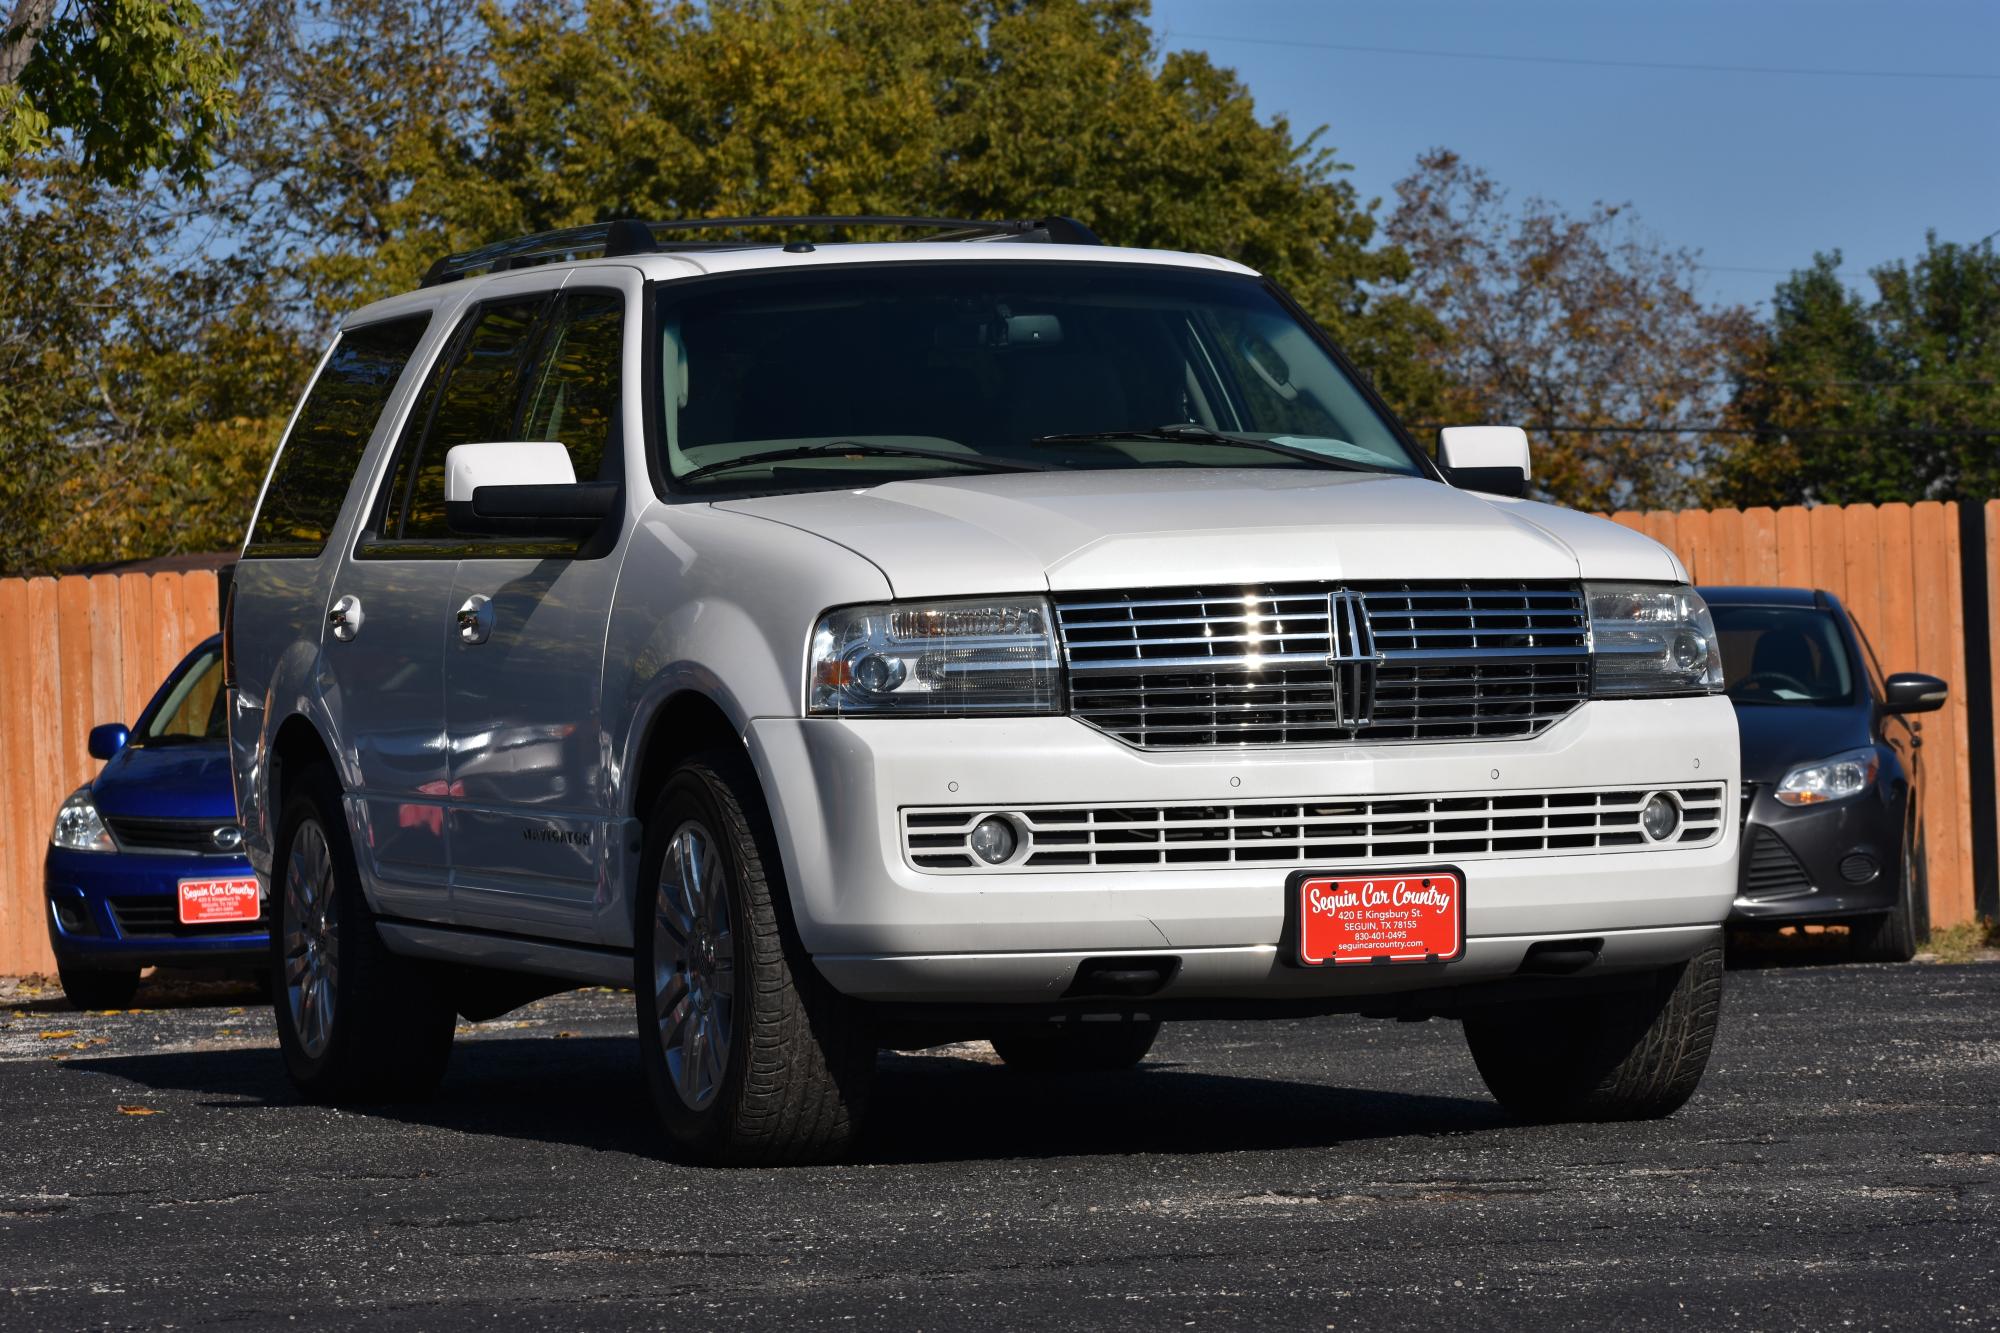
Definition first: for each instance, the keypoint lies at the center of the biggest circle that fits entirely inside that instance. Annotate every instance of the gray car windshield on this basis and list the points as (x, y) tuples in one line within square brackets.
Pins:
[(846, 377), (1782, 655)]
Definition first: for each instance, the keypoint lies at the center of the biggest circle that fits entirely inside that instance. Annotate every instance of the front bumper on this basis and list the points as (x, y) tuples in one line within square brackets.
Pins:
[(1811, 863), (121, 910), (878, 927)]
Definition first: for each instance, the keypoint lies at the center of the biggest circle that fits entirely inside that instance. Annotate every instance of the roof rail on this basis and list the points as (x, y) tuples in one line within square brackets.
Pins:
[(627, 236)]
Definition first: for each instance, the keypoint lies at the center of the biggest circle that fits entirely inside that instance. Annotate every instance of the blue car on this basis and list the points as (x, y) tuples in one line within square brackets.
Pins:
[(145, 867)]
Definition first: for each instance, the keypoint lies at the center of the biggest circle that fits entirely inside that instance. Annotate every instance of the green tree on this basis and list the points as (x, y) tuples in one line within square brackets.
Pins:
[(1845, 399), (126, 87), (1586, 331)]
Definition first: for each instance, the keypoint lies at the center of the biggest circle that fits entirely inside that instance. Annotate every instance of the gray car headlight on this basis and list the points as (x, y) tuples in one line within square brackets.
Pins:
[(1651, 638), (970, 656), (1832, 779), (79, 827)]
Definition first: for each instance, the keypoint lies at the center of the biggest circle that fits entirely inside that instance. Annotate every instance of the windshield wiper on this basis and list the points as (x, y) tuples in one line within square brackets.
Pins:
[(1188, 430), (834, 448)]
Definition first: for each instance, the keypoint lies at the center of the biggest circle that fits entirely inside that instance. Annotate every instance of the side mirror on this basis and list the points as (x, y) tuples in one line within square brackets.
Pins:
[(108, 740), (1914, 692), (522, 489), (1493, 459)]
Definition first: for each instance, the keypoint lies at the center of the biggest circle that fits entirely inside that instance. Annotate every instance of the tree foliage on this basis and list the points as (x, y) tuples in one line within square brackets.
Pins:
[(122, 88), (1849, 399), (1585, 330)]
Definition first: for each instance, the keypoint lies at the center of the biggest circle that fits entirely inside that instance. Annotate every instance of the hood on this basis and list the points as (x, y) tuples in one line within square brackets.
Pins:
[(1777, 738), (185, 781), (1164, 527)]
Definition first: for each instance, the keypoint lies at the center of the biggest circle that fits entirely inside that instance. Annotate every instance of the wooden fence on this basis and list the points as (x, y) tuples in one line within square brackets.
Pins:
[(78, 651), (73, 652)]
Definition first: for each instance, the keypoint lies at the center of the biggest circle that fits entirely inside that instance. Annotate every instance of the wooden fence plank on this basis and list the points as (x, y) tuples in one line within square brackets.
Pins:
[(47, 772), (141, 674), (18, 910), (1725, 534), (1794, 548), (1862, 556), (1760, 547), (1694, 542), (1895, 633), (1959, 707), (198, 611), (107, 644), (1935, 584), (1829, 571)]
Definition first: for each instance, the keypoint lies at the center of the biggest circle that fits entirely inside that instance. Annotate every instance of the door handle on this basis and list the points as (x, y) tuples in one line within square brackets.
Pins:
[(475, 619), (344, 616)]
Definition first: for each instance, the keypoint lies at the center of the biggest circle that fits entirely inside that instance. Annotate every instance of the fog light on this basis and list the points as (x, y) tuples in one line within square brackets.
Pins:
[(1661, 816), (993, 840)]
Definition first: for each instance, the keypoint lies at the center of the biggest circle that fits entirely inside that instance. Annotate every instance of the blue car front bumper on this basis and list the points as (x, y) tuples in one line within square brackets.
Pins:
[(122, 910)]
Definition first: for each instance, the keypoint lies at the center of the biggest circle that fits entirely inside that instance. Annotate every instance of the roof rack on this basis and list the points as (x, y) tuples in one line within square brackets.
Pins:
[(627, 236)]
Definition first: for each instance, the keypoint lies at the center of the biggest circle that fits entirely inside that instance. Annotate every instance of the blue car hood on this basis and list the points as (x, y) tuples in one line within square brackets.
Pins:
[(186, 781)]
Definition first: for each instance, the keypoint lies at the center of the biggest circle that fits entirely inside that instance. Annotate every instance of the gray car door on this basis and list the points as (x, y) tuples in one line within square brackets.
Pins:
[(392, 669), (531, 831)]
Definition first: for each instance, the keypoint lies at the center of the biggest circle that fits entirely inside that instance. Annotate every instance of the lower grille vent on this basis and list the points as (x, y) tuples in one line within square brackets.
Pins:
[(1320, 832), (1771, 871)]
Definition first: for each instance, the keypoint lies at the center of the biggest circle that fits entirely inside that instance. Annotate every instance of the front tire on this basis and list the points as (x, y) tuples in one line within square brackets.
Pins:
[(750, 1055), (1896, 935), (356, 1023), (95, 988), (1075, 1048), (1625, 1056)]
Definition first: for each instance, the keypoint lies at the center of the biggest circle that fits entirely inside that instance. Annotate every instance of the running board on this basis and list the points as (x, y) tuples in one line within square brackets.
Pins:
[(509, 953)]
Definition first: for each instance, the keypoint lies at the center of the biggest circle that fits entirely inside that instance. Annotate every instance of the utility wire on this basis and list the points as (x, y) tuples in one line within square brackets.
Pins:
[(1597, 64)]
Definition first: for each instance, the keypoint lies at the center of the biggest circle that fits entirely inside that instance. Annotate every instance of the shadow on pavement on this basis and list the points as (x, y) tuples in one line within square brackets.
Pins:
[(588, 1092)]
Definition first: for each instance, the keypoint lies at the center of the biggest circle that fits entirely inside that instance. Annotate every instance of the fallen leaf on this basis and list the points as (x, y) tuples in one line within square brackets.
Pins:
[(137, 1110), (59, 1035)]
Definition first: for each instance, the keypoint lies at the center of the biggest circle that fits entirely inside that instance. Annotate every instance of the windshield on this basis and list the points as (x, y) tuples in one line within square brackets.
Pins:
[(862, 375), (1783, 655), (192, 710)]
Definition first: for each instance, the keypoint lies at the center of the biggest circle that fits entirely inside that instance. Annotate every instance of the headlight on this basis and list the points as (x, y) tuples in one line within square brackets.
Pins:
[(1832, 779), (79, 827), (980, 655), (1651, 638)]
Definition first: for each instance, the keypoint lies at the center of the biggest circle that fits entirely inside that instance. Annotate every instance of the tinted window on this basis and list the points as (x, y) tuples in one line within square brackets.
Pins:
[(573, 393), (470, 399), (324, 448), (192, 710), (1783, 655), (986, 359)]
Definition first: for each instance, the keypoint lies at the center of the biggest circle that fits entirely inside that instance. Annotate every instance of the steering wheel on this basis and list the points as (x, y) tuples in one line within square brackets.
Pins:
[(1770, 682)]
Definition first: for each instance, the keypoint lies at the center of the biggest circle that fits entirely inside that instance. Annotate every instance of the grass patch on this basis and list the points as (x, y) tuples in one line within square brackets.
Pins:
[(1963, 942)]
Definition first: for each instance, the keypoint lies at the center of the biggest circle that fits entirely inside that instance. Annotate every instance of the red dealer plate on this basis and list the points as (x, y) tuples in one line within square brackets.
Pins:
[(208, 900), (1395, 916)]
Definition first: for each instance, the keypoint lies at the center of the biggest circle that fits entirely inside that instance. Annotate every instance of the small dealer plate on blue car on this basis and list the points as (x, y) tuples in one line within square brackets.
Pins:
[(1381, 916)]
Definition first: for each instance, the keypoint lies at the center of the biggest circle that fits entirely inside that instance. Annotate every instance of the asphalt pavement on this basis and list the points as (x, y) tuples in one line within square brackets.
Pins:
[(1840, 1168)]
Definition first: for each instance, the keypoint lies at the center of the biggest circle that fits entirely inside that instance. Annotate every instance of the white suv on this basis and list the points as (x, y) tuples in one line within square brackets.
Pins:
[(995, 634)]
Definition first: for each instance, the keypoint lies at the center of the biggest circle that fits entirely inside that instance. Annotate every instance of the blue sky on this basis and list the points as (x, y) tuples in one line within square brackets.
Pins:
[(1755, 170)]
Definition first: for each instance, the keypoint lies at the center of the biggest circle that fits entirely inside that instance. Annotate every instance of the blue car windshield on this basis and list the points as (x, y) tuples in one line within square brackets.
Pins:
[(192, 708), (1783, 655)]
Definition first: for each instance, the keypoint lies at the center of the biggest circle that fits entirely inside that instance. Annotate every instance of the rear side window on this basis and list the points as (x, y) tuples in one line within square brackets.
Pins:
[(324, 449)]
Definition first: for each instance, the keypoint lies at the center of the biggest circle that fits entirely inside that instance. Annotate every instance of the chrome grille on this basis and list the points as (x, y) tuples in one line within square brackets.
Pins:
[(1313, 663), (1335, 830)]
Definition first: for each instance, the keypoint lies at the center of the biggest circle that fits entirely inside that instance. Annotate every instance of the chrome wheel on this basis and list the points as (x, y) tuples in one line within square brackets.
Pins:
[(311, 947), (694, 965)]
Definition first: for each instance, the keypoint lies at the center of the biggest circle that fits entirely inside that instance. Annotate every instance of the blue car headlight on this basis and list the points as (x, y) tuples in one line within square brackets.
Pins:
[(79, 828)]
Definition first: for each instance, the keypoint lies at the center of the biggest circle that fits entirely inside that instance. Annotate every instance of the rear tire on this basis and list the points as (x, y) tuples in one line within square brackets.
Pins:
[(752, 1058), (1625, 1056), (1075, 1048), (94, 988), (356, 1023)]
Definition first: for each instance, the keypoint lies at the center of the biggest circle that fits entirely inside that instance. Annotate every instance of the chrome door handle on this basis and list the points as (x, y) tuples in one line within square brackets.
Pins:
[(475, 619), (345, 618)]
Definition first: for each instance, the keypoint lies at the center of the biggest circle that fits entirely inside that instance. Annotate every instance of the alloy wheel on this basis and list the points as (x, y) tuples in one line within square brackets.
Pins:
[(694, 965), (311, 945)]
